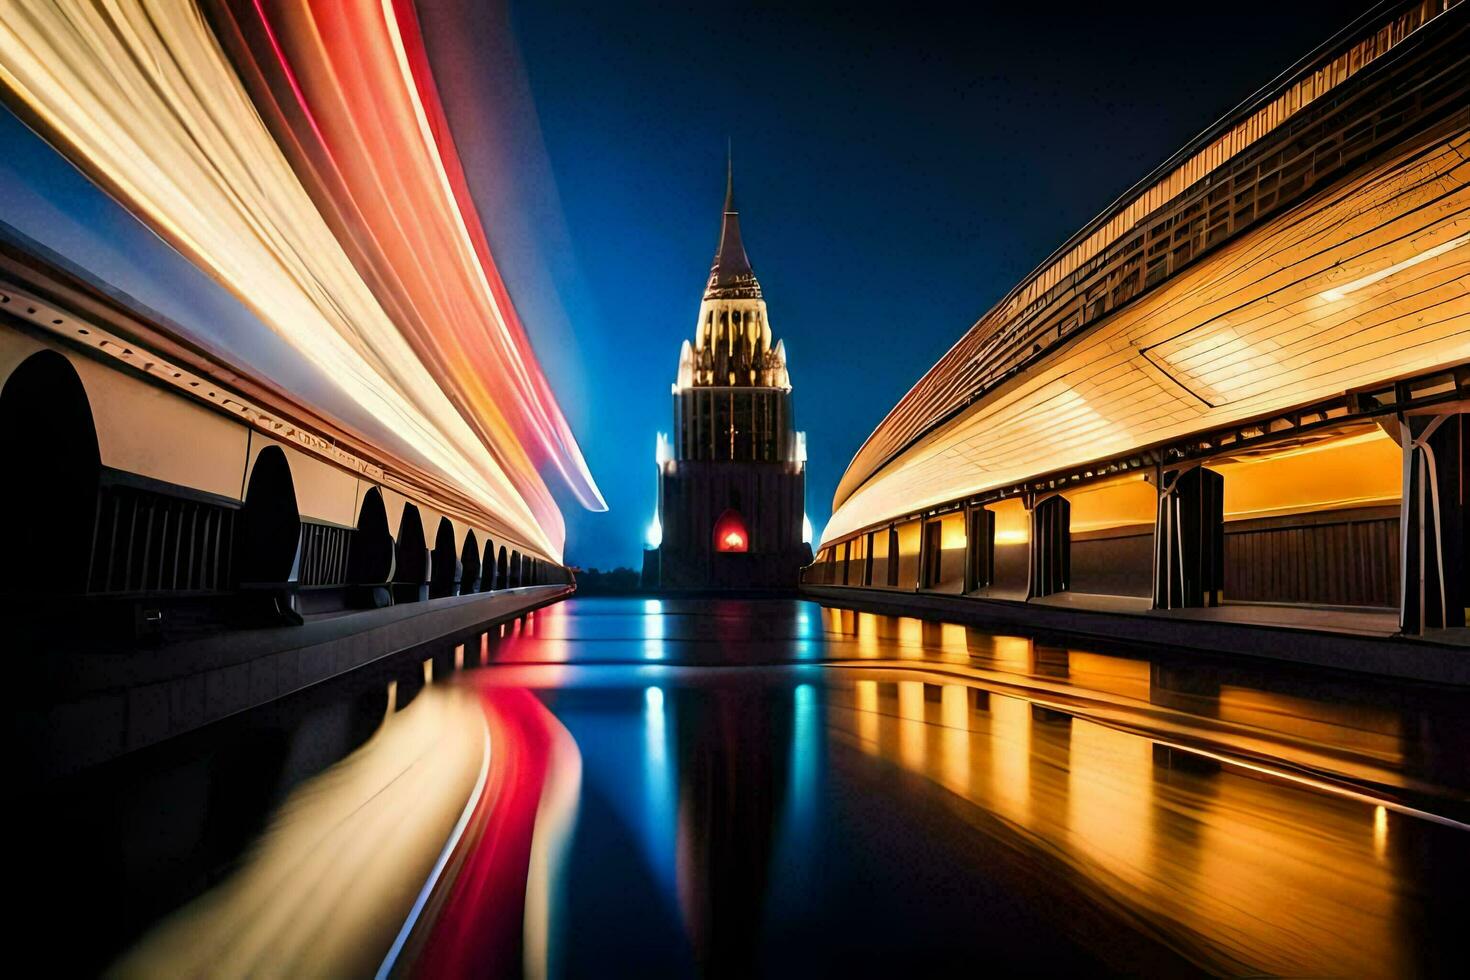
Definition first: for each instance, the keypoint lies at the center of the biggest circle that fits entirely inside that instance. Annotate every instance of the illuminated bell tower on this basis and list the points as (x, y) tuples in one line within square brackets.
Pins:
[(732, 480)]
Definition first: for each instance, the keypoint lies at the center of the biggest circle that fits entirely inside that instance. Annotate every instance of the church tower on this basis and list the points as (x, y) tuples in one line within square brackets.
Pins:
[(732, 480)]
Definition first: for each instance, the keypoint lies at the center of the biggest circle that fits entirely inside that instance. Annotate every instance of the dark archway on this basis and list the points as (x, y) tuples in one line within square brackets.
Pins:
[(469, 565), (270, 527), (487, 568), (502, 570), (444, 577), (370, 559), (48, 445), (411, 571), (515, 570), (267, 536)]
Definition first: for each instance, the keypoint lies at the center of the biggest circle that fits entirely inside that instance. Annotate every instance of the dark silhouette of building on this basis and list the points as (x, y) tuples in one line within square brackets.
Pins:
[(732, 480)]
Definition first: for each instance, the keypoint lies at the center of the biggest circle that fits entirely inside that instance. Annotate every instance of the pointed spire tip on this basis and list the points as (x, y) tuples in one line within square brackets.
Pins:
[(729, 175)]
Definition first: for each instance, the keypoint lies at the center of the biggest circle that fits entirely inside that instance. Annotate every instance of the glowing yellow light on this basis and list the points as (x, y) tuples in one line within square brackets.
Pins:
[(1338, 292), (1224, 361)]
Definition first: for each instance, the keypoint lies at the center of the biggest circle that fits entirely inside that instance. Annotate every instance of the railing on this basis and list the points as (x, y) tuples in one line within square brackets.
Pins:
[(322, 555), (145, 541)]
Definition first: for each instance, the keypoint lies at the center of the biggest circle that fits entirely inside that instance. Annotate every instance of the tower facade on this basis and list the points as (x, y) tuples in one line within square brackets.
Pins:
[(732, 478)]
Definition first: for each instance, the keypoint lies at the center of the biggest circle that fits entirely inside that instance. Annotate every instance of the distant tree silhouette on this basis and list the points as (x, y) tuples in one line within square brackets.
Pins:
[(617, 581)]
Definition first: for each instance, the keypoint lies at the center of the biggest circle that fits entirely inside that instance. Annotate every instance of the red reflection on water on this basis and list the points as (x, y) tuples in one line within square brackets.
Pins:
[(492, 915)]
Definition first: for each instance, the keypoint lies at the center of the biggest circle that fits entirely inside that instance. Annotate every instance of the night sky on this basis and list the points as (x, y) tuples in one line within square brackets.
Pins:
[(897, 170), (896, 174)]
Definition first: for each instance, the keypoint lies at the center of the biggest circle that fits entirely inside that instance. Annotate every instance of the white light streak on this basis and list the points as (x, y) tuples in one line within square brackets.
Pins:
[(1338, 292)]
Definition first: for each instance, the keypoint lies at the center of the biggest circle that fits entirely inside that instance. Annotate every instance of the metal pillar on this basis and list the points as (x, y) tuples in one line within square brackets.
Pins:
[(1051, 546), (1189, 539), (979, 548), (1432, 525)]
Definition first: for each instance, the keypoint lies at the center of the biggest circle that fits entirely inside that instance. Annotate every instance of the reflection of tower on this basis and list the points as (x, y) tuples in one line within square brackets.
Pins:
[(732, 480), (734, 758)]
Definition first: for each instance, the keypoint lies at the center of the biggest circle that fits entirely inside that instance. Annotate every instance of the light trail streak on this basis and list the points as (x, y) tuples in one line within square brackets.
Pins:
[(300, 156)]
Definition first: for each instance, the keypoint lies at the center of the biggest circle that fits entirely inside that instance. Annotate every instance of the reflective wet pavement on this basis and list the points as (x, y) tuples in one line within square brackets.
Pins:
[(732, 787)]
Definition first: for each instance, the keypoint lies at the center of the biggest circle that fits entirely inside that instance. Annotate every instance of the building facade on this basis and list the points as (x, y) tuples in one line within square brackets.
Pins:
[(732, 479), (1160, 418)]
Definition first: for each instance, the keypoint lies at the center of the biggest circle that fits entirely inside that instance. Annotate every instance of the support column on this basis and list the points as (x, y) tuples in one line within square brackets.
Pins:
[(979, 549), (1432, 526), (930, 546), (1051, 546), (1189, 539)]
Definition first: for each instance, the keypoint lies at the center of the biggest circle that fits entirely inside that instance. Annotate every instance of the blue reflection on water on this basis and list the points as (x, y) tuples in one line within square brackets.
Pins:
[(805, 731), (653, 629), (660, 792)]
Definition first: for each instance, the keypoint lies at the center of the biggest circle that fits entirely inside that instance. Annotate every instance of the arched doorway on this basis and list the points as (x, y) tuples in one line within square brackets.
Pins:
[(444, 579), (515, 570), (411, 571), (268, 534), (487, 568), (730, 535), (502, 570), (469, 565), (370, 559), (49, 447)]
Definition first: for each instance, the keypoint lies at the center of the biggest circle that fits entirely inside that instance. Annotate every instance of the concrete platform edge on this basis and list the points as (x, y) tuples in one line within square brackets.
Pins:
[(1400, 657)]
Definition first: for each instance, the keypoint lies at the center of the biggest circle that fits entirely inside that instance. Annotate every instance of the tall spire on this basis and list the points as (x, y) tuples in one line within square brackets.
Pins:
[(730, 275)]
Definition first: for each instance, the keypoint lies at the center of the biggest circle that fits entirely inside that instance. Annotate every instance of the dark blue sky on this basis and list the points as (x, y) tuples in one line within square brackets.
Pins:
[(897, 169)]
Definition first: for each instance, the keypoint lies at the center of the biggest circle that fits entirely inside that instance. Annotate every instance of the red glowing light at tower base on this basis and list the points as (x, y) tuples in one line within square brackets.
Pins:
[(730, 533)]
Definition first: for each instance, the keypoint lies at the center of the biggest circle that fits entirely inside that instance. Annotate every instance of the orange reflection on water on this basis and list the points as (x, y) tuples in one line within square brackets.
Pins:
[(1364, 730), (912, 731), (1239, 872), (1010, 773), (954, 716)]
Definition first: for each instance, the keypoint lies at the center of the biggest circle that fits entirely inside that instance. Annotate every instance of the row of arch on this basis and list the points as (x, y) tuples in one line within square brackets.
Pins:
[(96, 531)]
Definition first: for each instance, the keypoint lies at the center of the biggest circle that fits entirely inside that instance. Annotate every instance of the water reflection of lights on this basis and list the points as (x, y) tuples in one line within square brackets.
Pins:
[(804, 748), (661, 793), (1010, 738), (517, 836), (954, 715), (653, 629), (1226, 843), (315, 896), (654, 698), (432, 881), (912, 732), (1192, 839)]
